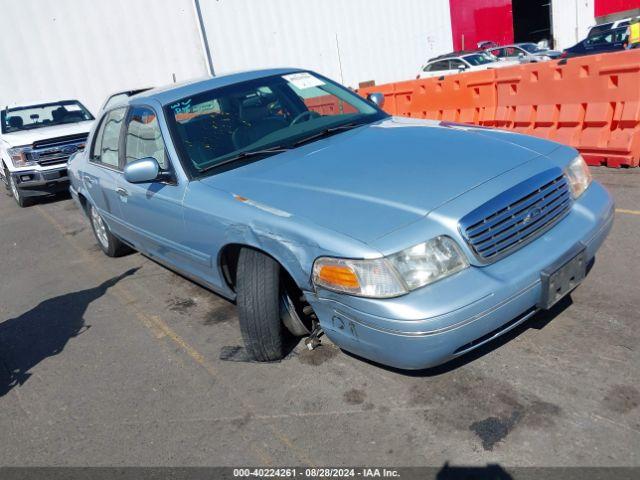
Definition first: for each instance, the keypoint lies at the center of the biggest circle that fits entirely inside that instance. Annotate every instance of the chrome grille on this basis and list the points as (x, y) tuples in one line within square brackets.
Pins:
[(517, 216), (56, 151)]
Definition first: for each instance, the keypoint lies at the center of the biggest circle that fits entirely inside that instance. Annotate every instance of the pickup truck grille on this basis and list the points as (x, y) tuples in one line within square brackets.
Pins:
[(55, 151), (517, 216)]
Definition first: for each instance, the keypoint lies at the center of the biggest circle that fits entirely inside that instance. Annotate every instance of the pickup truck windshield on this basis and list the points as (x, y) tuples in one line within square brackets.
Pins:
[(43, 115), (249, 118)]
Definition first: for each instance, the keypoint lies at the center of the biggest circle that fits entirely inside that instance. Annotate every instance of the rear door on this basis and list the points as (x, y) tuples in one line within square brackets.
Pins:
[(102, 172), (152, 211), (437, 69)]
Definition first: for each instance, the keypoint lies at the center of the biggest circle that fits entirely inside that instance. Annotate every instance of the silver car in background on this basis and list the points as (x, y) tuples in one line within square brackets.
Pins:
[(524, 53)]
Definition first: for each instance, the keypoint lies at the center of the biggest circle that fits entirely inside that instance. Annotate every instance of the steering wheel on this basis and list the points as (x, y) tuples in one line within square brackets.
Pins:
[(307, 114)]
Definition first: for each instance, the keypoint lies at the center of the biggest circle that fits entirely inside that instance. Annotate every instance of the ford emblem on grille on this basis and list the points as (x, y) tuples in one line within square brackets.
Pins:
[(68, 150), (532, 215)]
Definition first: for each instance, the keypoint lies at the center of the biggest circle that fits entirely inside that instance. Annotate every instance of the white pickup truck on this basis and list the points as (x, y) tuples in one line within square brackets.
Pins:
[(35, 143)]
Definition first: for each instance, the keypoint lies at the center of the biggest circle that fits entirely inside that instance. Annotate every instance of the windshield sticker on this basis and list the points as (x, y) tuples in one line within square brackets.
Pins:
[(73, 108), (303, 80), (181, 107)]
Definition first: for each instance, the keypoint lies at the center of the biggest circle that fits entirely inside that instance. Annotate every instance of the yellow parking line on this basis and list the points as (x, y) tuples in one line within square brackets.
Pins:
[(630, 212), (161, 329)]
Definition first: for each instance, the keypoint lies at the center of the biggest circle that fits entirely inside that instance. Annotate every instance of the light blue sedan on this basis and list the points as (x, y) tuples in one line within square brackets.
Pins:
[(407, 242)]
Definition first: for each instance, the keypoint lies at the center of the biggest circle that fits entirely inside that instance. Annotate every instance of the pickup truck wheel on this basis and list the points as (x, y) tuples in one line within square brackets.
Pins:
[(110, 245), (20, 199), (5, 171), (258, 300)]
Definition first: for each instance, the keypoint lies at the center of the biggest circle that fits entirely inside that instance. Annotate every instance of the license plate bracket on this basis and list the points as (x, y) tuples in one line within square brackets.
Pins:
[(562, 277)]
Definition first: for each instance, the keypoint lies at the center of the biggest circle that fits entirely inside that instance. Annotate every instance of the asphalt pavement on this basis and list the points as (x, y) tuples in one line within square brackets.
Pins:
[(116, 362)]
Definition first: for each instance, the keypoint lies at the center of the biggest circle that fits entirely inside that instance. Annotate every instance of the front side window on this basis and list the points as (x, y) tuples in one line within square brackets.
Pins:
[(43, 115), (218, 125), (606, 37), (106, 147), (143, 138)]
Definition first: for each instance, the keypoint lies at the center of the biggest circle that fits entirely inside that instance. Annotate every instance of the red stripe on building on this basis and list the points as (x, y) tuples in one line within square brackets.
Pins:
[(473, 21), (607, 7)]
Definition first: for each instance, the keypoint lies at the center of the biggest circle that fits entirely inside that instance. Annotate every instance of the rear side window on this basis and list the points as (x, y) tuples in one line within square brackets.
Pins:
[(105, 148), (143, 137), (438, 66)]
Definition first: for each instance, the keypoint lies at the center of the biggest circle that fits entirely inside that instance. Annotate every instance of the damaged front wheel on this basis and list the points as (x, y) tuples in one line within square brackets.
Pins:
[(266, 307)]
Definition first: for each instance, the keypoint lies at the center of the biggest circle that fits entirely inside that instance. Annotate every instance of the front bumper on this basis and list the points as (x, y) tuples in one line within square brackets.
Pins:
[(34, 183), (435, 324)]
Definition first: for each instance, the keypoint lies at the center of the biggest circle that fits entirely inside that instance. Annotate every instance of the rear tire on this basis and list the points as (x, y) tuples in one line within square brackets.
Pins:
[(108, 243), (258, 299)]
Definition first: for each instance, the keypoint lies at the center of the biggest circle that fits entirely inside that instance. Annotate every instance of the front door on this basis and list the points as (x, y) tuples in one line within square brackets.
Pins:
[(152, 211)]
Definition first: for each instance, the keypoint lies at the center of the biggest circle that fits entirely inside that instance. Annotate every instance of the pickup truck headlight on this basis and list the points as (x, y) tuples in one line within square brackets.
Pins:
[(22, 156), (394, 275), (578, 176)]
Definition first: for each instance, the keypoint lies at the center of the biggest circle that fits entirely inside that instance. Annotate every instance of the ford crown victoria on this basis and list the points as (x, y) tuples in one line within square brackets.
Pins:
[(408, 242)]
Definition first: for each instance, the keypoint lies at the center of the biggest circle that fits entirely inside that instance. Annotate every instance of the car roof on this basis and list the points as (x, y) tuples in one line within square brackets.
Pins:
[(174, 92), (459, 54)]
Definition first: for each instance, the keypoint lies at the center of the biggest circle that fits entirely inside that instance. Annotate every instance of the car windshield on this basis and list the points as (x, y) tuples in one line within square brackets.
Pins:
[(271, 113), (476, 59), (531, 47), (43, 115)]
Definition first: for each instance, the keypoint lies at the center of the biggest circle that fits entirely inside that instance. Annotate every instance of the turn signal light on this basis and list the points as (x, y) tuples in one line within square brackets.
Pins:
[(339, 276)]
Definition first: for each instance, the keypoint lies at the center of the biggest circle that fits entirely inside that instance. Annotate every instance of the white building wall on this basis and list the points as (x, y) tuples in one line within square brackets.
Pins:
[(348, 40), (571, 21), (87, 49)]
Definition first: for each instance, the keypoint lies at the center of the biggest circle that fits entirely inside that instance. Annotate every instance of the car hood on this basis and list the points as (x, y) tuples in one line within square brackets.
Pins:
[(376, 178), (27, 137)]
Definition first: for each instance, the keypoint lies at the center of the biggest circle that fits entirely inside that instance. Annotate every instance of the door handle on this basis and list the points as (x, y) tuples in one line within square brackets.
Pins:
[(122, 192)]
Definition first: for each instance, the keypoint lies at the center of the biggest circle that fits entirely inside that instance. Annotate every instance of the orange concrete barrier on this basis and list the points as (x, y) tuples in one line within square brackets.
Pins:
[(328, 105), (591, 103)]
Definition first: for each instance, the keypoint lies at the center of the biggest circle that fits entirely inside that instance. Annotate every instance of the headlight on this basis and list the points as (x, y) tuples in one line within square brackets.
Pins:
[(22, 156), (394, 275), (578, 176)]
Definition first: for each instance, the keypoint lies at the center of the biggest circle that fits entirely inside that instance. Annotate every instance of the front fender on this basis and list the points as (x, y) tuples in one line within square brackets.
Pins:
[(216, 219)]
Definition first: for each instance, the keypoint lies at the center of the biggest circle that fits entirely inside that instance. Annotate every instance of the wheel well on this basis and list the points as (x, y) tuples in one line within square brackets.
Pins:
[(229, 263), (83, 202)]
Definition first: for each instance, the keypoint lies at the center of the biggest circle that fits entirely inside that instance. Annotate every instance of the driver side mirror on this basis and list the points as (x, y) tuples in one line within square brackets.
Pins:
[(143, 170), (462, 68), (377, 98)]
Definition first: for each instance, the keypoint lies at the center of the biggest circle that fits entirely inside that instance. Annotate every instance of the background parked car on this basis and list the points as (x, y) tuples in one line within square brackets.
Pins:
[(453, 63), (36, 140), (487, 44), (524, 53), (602, 42)]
